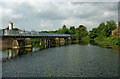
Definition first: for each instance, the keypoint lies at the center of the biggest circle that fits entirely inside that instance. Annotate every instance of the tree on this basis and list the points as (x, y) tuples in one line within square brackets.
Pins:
[(16, 29), (65, 30), (110, 25), (94, 33), (103, 29), (81, 32), (72, 30)]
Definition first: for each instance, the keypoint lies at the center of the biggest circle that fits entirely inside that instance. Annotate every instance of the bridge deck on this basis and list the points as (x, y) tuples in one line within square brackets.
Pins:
[(15, 33), (37, 35)]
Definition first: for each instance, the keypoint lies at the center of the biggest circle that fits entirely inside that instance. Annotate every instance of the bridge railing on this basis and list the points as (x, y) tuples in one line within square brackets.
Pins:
[(30, 33)]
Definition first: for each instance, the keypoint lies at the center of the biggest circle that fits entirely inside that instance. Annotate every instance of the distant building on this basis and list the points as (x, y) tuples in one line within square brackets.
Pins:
[(8, 28), (21, 31), (116, 32), (10, 25)]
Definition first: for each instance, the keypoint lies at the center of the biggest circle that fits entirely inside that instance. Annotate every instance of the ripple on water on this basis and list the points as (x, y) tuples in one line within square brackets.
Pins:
[(66, 61)]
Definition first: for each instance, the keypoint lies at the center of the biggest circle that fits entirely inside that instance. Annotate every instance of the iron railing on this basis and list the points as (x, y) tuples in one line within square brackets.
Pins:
[(30, 33)]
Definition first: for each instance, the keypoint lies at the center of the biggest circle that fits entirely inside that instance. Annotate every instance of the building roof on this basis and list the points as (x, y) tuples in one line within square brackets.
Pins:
[(11, 22)]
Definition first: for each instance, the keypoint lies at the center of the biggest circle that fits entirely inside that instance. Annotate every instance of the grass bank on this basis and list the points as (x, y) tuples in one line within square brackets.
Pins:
[(109, 42), (86, 39)]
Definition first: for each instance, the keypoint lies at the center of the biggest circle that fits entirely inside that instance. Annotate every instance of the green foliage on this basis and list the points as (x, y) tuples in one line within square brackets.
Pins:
[(102, 34), (52, 32), (109, 40), (81, 32), (111, 25), (115, 40), (101, 26), (77, 33), (72, 30), (16, 29), (103, 29), (116, 33), (94, 33), (64, 30), (44, 32), (86, 39)]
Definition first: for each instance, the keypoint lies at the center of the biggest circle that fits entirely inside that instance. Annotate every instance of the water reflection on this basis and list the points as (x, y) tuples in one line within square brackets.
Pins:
[(11, 53), (66, 61)]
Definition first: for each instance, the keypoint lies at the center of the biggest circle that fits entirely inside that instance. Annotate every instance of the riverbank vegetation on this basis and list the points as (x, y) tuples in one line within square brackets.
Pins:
[(101, 35)]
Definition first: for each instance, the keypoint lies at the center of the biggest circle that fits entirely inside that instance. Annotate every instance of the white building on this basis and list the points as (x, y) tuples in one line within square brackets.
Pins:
[(10, 25), (8, 28)]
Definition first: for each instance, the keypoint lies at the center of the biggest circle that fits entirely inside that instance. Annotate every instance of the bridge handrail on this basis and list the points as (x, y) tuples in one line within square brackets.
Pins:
[(29, 33)]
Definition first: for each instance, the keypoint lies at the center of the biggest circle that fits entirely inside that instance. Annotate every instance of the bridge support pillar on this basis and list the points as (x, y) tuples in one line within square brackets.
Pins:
[(40, 43), (69, 40), (62, 41), (57, 41), (15, 44), (47, 42), (44, 42), (28, 43)]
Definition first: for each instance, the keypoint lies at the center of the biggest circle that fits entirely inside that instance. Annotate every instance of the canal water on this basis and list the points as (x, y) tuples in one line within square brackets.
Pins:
[(74, 60)]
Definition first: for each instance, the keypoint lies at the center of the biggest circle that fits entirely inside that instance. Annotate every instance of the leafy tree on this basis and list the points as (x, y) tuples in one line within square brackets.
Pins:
[(44, 32), (110, 25), (94, 33), (103, 29), (16, 29), (72, 30), (81, 32), (64, 30), (52, 31)]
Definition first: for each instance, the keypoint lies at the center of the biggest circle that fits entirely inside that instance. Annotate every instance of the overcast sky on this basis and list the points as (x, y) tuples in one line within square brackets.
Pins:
[(53, 15)]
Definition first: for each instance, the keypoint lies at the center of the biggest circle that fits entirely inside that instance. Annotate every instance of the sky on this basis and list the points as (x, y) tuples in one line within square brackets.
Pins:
[(46, 16)]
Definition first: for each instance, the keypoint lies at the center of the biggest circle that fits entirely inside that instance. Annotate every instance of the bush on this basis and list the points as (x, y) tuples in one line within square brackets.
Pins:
[(87, 39)]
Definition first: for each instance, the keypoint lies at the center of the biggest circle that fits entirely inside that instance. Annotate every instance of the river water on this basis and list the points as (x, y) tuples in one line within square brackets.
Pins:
[(74, 60)]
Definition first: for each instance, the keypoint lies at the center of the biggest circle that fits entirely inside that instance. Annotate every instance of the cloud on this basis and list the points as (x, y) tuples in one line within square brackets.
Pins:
[(52, 15), (60, 0)]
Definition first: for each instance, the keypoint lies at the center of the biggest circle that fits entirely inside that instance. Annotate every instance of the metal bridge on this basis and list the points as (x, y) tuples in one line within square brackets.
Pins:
[(23, 34), (16, 39)]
